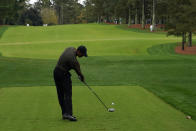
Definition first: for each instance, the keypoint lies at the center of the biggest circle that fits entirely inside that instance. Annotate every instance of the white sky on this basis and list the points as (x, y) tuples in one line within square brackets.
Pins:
[(33, 1)]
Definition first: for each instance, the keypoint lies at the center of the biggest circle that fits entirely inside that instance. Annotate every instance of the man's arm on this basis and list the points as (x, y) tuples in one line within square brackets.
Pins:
[(78, 71)]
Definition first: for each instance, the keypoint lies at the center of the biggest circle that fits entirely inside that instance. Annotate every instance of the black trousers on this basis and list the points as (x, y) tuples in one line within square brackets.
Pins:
[(64, 90)]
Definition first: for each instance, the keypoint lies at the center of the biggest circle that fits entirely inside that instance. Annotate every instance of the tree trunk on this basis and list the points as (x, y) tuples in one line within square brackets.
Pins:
[(4, 20), (154, 15), (62, 19), (190, 39), (86, 16), (183, 39), (129, 23), (136, 17), (143, 14), (59, 15)]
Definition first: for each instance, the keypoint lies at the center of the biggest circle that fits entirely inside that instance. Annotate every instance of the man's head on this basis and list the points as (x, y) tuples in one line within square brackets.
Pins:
[(82, 51)]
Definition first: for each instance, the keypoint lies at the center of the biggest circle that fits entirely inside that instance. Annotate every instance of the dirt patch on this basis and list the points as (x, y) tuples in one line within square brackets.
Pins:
[(186, 51)]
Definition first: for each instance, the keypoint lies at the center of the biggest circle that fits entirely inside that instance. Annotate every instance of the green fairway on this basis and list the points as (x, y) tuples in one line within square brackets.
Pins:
[(36, 108), (48, 43), (138, 70)]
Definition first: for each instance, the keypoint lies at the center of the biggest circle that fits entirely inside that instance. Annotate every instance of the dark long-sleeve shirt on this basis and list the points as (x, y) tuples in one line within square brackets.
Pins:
[(68, 61)]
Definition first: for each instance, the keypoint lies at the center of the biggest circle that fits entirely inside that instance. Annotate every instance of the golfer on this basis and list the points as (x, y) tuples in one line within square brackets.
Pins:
[(62, 78)]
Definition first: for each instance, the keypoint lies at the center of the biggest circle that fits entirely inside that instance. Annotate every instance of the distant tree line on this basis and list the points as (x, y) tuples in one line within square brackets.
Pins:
[(178, 16), (19, 12)]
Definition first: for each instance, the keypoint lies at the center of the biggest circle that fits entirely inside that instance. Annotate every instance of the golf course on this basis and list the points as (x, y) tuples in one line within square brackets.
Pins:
[(152, 87)]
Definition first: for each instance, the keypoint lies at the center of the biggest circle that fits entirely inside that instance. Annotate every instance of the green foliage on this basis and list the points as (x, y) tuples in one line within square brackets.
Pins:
[(121, 9), (10, 11), (111, 10), (182, 16), (68, 11), (87, 14), (182, 19), (49, 16), (31, 16)]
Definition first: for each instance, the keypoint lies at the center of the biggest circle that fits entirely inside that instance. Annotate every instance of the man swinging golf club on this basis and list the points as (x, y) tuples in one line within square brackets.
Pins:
[(62, 78)]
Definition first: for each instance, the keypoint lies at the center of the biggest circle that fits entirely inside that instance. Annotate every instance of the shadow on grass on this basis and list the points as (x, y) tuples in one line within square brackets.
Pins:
[(20, 72), (2, 30), (163, 49), (168, 50)]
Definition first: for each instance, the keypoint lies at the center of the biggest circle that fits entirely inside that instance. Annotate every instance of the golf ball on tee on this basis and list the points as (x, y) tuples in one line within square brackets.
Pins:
[(112, 103)]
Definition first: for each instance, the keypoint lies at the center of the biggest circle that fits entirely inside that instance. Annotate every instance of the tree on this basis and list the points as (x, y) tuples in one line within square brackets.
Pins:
[(5, 7), (130, 4), (181, 19), (98, 9), (143, 14), (10, 10), (31, 16), (154, 14), (49, 16), (162, 11), (191, 13), (88, 12), (68, 11), (134, 8), (122, 10), (137, 6)]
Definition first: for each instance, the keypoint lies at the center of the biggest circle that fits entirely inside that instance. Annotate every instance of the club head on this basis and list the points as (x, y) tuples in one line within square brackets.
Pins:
[(111, 109)]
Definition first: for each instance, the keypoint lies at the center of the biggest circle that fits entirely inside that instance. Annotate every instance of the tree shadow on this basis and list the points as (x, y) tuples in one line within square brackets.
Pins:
[(162, 49), (2, 30), (24, 72)]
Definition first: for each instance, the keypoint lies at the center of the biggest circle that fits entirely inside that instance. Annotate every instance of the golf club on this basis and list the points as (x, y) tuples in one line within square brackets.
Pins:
[(108, 109)]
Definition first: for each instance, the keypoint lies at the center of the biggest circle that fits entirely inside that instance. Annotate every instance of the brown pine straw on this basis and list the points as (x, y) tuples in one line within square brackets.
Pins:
[(187, 50)]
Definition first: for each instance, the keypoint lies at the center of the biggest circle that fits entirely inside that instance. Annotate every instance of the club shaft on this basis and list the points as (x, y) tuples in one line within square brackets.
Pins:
[(96, 96)]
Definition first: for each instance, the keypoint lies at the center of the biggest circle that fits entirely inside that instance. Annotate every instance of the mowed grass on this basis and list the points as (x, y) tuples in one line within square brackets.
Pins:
[(119, 58), (36, 108), (80, 32)]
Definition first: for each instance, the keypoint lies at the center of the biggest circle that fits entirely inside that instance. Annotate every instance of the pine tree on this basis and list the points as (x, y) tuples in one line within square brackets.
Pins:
[(181, 18)]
